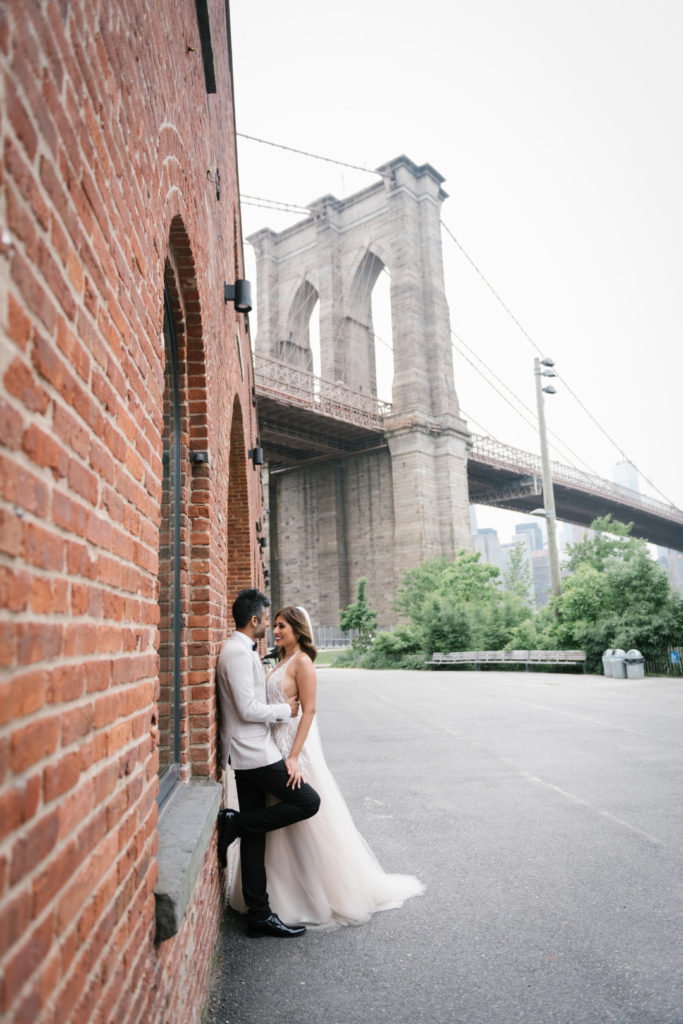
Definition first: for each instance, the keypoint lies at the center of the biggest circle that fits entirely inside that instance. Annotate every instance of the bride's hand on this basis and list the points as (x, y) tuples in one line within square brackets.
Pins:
[(295, 775)]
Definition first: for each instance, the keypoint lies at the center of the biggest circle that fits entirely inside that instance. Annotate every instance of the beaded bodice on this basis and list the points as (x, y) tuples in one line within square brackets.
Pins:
[(283, 732)]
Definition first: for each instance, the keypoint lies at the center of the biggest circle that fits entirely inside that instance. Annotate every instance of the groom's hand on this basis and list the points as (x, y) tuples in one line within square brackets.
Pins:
[(293, 705)]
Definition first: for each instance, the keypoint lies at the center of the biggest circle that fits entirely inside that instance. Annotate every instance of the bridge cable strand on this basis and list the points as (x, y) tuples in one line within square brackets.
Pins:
[(303, 152), (560, 442), (497, 390), (367, 170), (273, 204), (382, 341), (540, 353), (618, 448), (487, 433)]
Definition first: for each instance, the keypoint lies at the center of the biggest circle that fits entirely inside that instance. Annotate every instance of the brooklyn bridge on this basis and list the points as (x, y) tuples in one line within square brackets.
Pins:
[(359, 487)]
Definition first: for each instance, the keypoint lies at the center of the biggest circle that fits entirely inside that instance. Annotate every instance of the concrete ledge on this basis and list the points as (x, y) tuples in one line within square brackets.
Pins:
[(185, 829)]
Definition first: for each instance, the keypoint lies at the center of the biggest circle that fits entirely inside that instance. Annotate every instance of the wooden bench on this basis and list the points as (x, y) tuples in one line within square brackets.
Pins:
[(526, 658)]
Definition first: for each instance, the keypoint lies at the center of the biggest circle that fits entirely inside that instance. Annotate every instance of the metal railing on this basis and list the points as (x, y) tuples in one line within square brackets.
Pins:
[(495, 453), (308, 391), (302, 388)]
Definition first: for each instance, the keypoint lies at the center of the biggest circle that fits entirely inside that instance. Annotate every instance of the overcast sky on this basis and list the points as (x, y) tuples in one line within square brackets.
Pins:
[(558, 129)]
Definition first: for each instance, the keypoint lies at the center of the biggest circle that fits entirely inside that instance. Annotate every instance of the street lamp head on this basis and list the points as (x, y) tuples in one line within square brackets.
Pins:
[(550, 390), (547, 362)]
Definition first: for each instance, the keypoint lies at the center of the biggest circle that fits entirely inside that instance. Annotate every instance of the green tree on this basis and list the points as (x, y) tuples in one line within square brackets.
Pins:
[(611, 539), (497, 622), (418, 584), (361, 618), (402, 648), (445, 626), (469, 579), (616, 597), (517, 577)]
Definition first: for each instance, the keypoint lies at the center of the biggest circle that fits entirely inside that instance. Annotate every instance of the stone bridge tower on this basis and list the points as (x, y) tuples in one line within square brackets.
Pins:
[(378, 513)]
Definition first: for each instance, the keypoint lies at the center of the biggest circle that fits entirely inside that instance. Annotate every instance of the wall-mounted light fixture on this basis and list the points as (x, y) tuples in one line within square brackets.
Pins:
[(263, 541), (199, 458), (239, 293), (256, 455)]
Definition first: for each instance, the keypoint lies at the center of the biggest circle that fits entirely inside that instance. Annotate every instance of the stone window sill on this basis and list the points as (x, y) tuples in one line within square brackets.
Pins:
[(185, 829)]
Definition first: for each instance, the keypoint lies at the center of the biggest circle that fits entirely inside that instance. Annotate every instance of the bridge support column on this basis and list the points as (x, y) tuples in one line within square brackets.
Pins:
[(430, 497)]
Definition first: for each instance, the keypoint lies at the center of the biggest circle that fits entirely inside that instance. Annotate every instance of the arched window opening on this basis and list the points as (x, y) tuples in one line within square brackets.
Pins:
[(382, 331), (314, 337), (367, 361), (295, 349), (169, 590)]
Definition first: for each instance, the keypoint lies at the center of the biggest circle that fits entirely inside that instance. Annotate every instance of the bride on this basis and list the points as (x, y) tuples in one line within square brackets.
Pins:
[(320, 871)]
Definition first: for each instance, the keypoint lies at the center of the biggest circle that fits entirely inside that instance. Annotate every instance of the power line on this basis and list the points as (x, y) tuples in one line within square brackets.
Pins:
[(303, 152)]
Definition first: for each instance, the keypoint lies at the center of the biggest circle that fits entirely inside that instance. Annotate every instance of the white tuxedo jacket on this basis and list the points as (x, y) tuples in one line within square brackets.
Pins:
[(246, 740)]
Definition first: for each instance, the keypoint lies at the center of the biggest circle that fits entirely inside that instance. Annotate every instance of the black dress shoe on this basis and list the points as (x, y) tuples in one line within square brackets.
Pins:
[(227, 833), (274, 926)]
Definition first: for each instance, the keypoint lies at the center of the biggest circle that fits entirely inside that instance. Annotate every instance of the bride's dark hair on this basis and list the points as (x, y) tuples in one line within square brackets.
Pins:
[(302, 631)]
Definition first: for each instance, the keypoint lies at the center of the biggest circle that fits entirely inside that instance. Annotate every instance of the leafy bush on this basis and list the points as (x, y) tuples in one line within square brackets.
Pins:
[(615, 596)]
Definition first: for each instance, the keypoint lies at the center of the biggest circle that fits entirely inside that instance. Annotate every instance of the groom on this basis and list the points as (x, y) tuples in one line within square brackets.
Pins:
[(247, 745)]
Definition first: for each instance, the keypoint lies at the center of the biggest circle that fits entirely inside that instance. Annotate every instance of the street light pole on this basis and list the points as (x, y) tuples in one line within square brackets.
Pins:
[(548, 496)]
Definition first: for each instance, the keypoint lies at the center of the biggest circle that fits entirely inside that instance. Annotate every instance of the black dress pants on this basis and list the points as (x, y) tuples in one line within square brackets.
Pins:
[(256, 819)]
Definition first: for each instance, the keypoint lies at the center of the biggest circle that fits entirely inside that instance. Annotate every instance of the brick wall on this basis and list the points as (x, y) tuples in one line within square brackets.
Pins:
[(108, 189)]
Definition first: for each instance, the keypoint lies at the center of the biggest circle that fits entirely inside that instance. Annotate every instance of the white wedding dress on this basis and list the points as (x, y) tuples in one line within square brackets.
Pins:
[(321, 871)]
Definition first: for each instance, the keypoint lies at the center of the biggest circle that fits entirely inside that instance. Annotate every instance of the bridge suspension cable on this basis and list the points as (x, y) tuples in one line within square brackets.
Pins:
[(533, 422), (489, 286), (273, 204), (303, 152), (559, 375)]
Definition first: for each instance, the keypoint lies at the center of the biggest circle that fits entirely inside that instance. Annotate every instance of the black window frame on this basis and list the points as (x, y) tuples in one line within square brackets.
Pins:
[(169, 778)]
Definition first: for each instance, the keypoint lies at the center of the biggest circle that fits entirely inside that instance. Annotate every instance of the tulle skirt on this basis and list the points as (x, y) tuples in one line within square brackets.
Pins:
[(321, 871)]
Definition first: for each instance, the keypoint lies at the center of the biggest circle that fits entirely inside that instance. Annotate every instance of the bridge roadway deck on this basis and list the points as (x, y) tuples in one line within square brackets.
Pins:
[(294, 431), (542, 812)]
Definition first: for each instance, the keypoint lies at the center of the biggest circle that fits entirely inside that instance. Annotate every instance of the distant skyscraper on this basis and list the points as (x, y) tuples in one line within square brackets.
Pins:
[(575, 533), (486, 541), (540, 563), (626, 475), (533, 532), (672, 563), (676, 570)]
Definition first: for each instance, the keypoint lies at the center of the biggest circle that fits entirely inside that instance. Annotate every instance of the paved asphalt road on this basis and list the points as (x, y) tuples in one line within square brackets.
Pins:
[(544, 813)]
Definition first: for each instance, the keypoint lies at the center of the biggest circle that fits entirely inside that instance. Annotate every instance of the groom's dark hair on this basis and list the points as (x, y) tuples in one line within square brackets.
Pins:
[(249, 603)]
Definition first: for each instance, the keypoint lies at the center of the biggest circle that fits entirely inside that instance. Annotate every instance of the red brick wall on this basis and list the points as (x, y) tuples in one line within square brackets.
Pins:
[(110, 146)]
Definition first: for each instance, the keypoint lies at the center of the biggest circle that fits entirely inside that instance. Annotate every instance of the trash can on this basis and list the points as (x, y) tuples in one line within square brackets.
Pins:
[(635, 665), (618, 664), (607, 662)]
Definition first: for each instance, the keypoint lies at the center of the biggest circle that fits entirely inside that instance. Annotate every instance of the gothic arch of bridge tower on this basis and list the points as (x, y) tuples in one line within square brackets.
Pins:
[(365, 513)]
